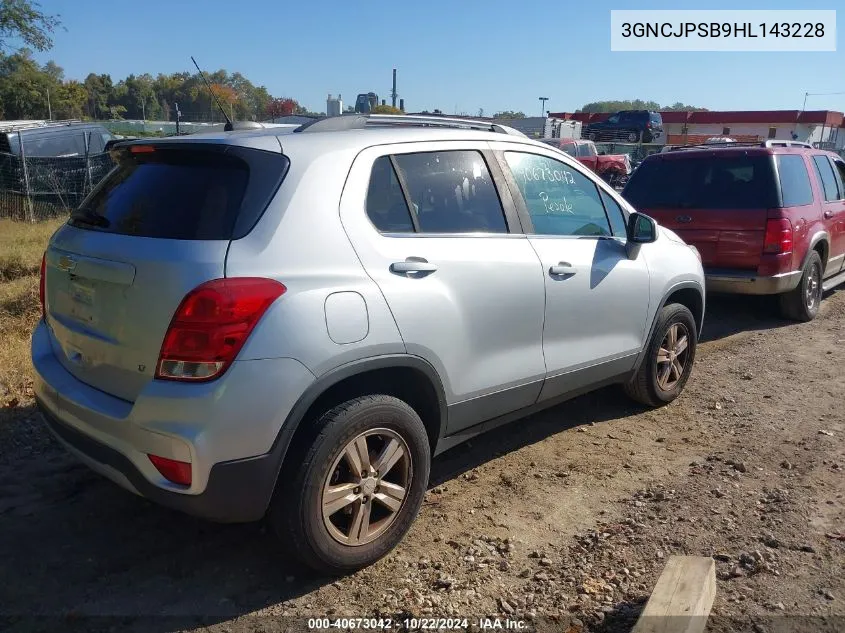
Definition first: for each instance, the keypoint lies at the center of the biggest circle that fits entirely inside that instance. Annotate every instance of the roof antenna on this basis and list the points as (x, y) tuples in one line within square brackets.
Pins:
[(228, 127)]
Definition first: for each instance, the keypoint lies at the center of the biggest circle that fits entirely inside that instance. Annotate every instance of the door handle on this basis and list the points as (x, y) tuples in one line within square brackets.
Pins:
[(412, 265), (828, 215), (563, 268)]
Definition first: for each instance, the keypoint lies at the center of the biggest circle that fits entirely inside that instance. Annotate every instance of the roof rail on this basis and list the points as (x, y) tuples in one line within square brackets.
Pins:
[(14, 126), (768, 143), (776, 143), (361, 121)]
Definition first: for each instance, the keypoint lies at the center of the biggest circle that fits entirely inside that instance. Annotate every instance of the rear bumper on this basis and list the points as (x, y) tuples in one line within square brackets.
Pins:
[(225, 429), (747, 283), (237, 491)]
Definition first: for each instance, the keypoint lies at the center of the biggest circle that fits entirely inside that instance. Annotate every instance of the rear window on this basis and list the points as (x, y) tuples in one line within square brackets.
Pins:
[(184, 193), (794, 180), (703, 182)]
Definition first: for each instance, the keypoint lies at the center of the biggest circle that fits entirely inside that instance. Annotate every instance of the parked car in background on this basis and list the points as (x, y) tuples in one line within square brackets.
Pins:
[(633, 126), (43, 139), (767, 218), (613, 168), (458, 279)]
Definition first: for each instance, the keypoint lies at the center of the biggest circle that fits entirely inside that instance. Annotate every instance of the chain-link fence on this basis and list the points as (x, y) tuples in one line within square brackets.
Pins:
[(48, 175)]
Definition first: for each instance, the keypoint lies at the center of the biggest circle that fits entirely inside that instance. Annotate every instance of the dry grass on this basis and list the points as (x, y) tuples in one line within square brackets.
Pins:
[(21, 247)]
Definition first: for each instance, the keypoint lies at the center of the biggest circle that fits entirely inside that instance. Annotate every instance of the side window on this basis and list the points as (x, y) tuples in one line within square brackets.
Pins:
[(824, 171), (386, 206), (587, 150), (839, 172), (570, 148), (614, 214), (452, 192), (95, 142), (560, 200), (794, 180)]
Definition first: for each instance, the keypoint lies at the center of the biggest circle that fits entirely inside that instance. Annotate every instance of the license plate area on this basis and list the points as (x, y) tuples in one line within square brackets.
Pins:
[(82, 298)]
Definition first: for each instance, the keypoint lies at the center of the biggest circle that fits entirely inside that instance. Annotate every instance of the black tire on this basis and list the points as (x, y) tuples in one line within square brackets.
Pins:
[(592, 136), (802, 302), (645, 387), (296, 510), (633, 137)]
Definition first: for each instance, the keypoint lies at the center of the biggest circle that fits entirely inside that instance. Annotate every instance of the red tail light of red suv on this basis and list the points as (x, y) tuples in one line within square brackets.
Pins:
[(778, 236)]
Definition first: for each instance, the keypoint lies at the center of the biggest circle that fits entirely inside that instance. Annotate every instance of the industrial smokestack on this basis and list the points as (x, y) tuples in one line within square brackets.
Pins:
[(402, 104), (393, 93)]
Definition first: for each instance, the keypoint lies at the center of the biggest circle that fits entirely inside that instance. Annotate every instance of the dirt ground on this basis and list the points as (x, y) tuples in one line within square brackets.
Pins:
[(564, 519)]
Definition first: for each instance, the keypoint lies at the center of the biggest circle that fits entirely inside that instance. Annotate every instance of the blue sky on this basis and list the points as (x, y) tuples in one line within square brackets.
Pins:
[(460, 55)]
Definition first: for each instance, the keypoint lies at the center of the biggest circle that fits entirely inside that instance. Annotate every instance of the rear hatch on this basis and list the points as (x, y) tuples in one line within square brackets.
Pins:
[(156, 227), (718, 201)]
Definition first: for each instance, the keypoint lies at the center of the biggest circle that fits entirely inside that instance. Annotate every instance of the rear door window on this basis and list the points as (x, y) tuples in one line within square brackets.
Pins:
[(733, 181), (824, 170), (183, 193), (794, 180), (451, 192)]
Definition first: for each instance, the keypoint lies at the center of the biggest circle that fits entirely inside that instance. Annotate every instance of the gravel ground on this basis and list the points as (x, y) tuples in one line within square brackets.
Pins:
[(564, 519)]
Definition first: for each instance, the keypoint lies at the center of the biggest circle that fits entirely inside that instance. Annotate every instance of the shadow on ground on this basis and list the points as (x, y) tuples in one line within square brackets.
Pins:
[(74, 545)]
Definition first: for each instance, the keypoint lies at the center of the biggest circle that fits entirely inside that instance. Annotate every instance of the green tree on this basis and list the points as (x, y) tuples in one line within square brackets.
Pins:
[(634, 104), (70, 101), (386, 109), (99, 91), (509, 114), (24, 86), (23, 20)]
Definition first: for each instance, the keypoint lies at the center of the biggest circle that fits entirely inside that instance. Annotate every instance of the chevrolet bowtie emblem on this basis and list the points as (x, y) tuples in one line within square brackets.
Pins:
[(67, 263)]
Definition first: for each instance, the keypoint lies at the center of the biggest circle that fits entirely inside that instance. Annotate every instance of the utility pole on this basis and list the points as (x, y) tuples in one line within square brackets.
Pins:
[(543, 105), (178, 116), (144, 110), (49, 108)]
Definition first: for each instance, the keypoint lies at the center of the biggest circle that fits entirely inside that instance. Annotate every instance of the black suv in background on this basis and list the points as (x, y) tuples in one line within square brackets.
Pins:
[(632, 126)]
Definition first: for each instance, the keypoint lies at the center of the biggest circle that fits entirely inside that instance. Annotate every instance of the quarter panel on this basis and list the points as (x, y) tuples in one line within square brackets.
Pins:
[(300, 242)]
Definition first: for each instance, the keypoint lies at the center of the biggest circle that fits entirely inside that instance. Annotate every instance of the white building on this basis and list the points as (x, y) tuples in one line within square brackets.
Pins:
[(334, 107)]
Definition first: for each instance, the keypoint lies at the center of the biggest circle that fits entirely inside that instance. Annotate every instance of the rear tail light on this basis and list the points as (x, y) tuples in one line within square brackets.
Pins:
[(170, 469), (211, 325), (42, 285), (778, 236)]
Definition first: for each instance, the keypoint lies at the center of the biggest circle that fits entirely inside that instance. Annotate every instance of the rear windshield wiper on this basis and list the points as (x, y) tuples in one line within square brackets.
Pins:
[(89, 217)]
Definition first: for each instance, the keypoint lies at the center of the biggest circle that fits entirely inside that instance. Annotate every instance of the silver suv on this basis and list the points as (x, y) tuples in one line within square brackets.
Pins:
[(246, 324)]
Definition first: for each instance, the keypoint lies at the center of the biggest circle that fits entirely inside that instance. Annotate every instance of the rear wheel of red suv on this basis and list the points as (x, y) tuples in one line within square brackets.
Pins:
[(664, 371), (357, 487), (802, 302)]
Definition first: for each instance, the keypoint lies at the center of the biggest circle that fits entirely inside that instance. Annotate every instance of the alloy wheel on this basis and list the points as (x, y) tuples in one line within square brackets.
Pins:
[(813, 288), (366, 487), (672, 356)]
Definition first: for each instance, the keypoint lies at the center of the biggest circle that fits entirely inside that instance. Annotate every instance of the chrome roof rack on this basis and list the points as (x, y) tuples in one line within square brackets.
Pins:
[(361, 121), (768, 143), (13, 126), (776, 143)]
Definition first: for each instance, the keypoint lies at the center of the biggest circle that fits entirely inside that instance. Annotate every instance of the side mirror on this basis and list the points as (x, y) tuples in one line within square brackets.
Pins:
[(641, 229)]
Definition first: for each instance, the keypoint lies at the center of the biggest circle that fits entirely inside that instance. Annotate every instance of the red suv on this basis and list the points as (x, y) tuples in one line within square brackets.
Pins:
[(767, 218)]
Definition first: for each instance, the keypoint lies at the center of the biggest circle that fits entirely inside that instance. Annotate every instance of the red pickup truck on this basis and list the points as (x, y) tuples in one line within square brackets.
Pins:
[(767, 218), (613, 168)]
